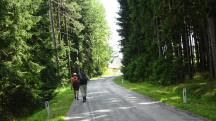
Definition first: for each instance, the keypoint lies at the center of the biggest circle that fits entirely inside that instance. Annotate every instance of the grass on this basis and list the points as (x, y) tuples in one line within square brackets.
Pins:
[(201, 95), (112, 72), (107, 73), (59, 107)]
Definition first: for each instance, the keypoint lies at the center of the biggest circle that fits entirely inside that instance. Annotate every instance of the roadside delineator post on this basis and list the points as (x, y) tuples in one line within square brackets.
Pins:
[(47, 108), (184, 95)]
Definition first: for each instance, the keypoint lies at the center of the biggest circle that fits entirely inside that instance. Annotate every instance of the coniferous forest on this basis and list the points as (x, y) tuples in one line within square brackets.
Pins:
[(167, 41), (41, 43)]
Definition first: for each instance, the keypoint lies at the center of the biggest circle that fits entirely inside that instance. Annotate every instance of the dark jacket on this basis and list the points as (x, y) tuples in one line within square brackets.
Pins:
[(83, 78)]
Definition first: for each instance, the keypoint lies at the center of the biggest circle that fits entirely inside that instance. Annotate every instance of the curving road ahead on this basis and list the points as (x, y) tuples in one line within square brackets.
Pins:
[(107, 101)]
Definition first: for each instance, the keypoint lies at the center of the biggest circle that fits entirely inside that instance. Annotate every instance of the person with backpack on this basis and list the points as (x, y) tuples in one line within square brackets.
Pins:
[(83, 84), (75, 85)]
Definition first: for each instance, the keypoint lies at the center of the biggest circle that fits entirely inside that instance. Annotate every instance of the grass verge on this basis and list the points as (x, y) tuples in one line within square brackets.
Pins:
[(200, 94), (59, 107)]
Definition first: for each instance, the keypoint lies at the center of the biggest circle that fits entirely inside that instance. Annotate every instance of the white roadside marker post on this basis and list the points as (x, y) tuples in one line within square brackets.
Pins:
[(47, 108), (184, 95)]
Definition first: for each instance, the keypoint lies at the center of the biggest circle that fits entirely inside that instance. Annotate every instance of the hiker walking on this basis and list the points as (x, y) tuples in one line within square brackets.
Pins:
[(83, 84), (75, 85)]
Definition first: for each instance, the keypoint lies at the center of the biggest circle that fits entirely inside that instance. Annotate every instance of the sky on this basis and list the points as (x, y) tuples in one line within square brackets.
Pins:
[(112, 8)]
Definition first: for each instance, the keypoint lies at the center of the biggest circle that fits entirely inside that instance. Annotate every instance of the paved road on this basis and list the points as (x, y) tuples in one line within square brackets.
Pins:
[(110, 102)]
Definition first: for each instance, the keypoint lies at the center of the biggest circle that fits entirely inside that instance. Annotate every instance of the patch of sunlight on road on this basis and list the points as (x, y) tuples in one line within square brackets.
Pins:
[(101, 92), (72, 118), (114, 101), (102, 116), (110, 99), (103, 111), (124, 108), (149, 103), (132, 97), (86, 113), (86, 120)]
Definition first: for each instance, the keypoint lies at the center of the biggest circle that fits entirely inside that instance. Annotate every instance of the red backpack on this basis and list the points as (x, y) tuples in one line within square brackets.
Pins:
[(75, 79)]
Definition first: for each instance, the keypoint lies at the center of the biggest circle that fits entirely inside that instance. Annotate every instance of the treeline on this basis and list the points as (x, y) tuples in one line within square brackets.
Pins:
[(167, 41), (41, 43)]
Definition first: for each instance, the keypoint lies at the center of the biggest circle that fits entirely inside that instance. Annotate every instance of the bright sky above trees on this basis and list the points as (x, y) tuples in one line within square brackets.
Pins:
[(112, 8)]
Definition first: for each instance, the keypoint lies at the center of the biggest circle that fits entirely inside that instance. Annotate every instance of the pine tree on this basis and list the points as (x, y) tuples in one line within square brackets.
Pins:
[(41, 43), (167, 41)]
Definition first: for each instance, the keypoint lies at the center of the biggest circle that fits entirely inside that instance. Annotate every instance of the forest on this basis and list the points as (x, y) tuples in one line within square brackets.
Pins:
[(41, 43), (167, 41)]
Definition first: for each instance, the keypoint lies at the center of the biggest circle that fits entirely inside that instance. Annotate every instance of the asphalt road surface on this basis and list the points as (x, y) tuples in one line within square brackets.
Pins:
[(107, 101)]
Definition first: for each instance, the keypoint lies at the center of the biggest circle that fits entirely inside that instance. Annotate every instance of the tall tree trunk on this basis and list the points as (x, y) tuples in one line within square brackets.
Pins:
[(212, 43), (59, 20), (191, 51), (67, 43), (53, 34), (158, 36)]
